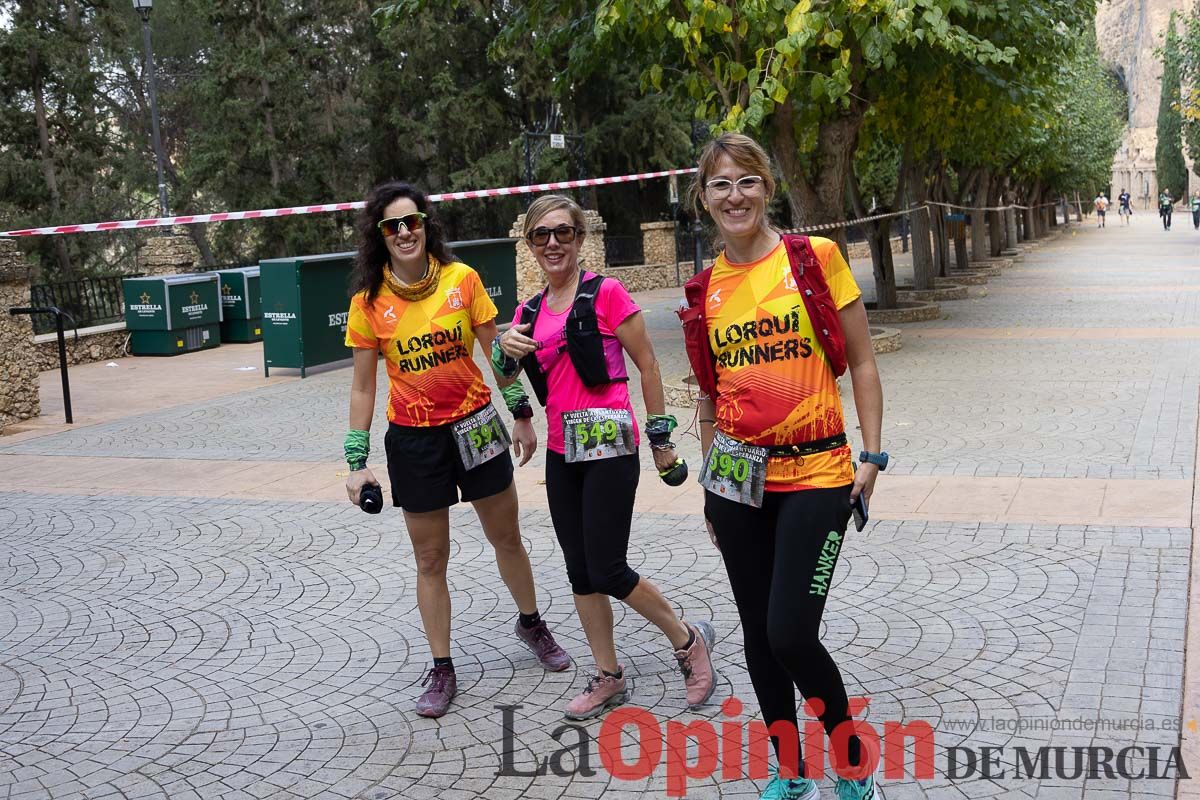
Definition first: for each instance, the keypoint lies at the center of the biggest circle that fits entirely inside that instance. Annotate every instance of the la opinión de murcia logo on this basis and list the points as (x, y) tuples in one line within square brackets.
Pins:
[(695, 750)]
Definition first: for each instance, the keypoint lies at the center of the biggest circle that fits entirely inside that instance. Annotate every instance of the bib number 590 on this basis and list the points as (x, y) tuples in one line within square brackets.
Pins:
[(727, 466)]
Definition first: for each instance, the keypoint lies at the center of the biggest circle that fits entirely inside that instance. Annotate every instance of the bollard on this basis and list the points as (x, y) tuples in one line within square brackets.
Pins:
[(62, 350)]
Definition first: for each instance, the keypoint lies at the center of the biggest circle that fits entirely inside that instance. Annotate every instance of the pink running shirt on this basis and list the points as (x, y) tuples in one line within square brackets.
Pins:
[(564, 390)]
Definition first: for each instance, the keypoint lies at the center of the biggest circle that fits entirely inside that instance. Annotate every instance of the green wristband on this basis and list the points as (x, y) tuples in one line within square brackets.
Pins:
[(514, 395), (357, 447)]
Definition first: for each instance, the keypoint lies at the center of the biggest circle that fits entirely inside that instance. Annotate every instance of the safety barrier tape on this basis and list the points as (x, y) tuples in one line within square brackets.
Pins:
[(323, 208)]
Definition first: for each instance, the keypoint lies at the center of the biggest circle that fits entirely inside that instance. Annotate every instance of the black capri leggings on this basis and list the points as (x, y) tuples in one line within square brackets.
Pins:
[(780, 560), (591, 505)]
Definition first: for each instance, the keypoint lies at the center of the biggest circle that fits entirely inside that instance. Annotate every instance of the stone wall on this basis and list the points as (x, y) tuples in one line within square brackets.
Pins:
[(102, 343), (658, 242), (19, 395), (650, 276), (172, 254), (529, 274)]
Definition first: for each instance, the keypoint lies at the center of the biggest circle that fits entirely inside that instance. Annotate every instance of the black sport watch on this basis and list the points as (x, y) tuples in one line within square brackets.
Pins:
[(523, 410), (878, 459)]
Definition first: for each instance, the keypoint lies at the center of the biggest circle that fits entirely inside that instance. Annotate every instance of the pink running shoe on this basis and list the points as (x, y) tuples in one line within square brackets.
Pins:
[(602, 693), (696, 665), (541, 642), (443, 685)]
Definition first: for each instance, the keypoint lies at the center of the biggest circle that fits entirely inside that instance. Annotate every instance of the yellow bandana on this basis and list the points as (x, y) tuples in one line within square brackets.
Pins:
[(415, 291)]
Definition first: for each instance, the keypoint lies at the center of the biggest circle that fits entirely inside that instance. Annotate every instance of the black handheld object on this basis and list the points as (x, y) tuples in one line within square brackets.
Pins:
[(676, 474), (858, 508), (370, 498)]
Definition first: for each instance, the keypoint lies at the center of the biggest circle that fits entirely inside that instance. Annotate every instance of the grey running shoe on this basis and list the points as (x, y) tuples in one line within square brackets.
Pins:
[(541, 642), (442, 686)]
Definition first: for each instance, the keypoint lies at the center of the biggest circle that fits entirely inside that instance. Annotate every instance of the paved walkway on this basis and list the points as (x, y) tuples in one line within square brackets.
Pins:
[(189, 608)]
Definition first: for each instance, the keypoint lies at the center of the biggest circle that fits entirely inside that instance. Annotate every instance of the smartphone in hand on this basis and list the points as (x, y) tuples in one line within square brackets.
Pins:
[(858, 509)]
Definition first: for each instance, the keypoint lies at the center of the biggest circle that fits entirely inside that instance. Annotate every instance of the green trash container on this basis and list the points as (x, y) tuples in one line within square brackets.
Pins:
[(496, 262), (305, 303), (171, 314), (241, 304), (305, 300)]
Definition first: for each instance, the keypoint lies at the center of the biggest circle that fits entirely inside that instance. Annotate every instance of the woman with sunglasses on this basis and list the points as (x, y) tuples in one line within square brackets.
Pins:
[(769, 328), (570, 339), (424, 312)]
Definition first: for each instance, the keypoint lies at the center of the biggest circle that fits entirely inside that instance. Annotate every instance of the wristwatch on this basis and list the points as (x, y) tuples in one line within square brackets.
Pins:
[(523, 410), (878, 459)]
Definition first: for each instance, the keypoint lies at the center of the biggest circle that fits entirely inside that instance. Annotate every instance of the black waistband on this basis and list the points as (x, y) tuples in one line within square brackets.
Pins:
[(809, 448)]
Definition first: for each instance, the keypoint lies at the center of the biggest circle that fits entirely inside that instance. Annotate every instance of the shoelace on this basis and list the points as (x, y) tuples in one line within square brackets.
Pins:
[(685, 666), (438, 675)]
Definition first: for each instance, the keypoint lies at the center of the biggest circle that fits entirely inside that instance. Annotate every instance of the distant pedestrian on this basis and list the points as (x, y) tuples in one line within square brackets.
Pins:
[(1165, 206), (1126, 207), (1101, 203), (1196, 209)]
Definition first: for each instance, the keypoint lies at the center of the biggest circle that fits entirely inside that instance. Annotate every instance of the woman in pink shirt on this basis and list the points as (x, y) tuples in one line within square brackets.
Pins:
[(570, 339)]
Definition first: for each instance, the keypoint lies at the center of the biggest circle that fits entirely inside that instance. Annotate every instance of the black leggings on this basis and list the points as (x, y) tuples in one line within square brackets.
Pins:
[(591, 505), (780, 560)]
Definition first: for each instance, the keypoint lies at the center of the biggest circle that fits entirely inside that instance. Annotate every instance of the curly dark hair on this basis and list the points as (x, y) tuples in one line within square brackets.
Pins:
[(372, 250)]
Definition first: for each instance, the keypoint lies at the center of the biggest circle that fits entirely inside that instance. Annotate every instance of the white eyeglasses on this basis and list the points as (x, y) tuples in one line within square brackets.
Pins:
[(720, 187)]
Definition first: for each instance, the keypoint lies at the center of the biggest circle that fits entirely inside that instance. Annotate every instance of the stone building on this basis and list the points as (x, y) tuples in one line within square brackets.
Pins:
[(1128, 31)]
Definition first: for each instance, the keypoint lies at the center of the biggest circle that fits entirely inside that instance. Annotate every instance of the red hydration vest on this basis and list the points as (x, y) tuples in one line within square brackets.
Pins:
[(822, 312)]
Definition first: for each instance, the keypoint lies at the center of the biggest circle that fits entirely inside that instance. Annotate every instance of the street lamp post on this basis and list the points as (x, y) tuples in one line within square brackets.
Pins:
[(143, 8)]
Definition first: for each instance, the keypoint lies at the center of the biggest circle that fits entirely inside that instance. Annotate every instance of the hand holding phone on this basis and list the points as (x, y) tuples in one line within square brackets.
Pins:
[(858, 509)]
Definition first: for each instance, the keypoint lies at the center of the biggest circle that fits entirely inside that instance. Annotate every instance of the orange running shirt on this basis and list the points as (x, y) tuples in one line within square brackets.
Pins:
[(427, 345), (774, 385)]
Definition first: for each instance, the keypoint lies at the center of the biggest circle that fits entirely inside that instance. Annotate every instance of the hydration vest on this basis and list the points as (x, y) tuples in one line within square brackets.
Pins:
[(585, 343), (812, 288)]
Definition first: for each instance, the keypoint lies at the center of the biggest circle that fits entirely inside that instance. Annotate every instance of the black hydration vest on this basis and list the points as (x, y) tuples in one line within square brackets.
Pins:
[(585, 344)]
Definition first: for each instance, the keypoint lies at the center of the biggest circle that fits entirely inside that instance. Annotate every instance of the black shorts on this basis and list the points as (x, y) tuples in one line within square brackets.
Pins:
[(427, 473)]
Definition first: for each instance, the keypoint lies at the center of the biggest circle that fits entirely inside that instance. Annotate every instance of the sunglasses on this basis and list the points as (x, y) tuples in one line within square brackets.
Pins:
[(563, 234), (411, 222), (720, 187)]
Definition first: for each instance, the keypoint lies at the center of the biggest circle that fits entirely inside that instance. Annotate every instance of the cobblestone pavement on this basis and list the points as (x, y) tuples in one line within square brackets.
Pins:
[(185, 647)]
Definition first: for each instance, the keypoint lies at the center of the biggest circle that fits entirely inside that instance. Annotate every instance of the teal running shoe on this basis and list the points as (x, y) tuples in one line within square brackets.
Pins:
[(789, 788), (857, 790)]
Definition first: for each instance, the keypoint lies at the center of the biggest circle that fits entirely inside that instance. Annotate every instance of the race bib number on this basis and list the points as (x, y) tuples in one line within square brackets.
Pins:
[(480, 437), (735, 470), (596, 433)]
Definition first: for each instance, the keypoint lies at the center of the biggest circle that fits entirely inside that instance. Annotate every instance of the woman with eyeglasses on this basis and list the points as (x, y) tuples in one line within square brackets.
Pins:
[(570, 339), (424, 311), (769, 328)]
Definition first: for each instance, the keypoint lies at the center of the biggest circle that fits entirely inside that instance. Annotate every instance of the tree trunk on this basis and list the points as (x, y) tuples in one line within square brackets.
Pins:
[(816, 196), (979, 245), (47, 159), (994, 219), (1030, 213), (961, 260), (1010, 220), (880, 242), (919, 226)]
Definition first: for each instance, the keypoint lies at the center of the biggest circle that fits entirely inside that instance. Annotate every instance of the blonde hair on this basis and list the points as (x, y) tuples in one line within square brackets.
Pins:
[(553, 202), (743, 151)]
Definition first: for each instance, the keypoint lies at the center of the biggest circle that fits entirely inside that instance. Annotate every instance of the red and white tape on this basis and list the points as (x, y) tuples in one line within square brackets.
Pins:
[(324, 208)]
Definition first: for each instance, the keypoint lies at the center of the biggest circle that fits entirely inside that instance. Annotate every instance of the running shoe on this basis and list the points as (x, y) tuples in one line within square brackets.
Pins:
[(541, 642), (442, 686), (857, 790), (602, 693), (696, 665), (789, 788)]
